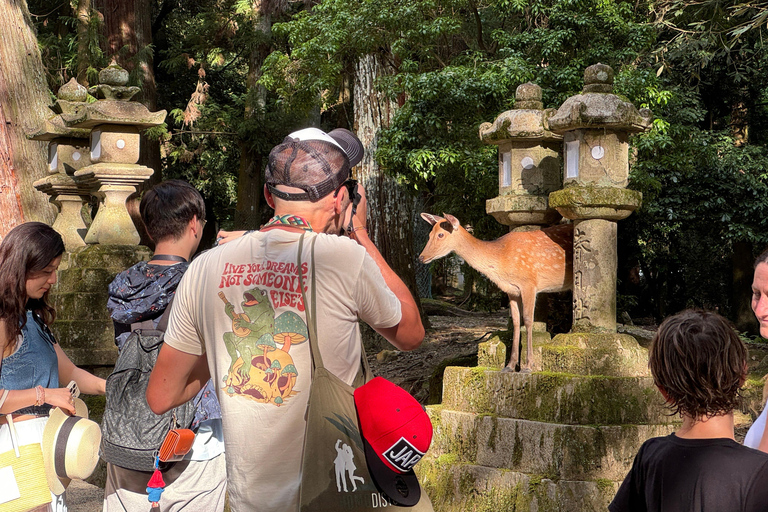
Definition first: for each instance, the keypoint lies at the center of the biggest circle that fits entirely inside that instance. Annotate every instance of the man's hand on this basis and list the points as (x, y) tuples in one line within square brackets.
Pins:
[(223, 237)]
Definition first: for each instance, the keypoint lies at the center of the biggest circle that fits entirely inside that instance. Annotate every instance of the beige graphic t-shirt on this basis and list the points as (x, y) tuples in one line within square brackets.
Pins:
[(241, 305)]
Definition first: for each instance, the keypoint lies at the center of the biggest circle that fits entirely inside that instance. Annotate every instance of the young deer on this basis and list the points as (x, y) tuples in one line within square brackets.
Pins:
[(522, 264)]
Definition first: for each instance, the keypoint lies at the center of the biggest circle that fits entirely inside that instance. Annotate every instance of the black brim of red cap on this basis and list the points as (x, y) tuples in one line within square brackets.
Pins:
[(401, 488)]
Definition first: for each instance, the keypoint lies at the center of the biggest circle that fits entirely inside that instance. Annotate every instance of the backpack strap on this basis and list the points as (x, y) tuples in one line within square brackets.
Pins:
[(162, 324), (146, 324)]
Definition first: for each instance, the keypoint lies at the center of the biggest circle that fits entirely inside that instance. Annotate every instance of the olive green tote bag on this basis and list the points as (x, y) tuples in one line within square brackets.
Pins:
[(334, 471)]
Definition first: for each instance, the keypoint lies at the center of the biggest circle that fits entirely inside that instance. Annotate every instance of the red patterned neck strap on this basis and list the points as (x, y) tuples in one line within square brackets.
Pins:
[(288, 220)]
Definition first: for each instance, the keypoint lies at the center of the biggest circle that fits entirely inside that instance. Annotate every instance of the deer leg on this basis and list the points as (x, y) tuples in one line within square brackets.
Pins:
[(514, 312), (529, 305)]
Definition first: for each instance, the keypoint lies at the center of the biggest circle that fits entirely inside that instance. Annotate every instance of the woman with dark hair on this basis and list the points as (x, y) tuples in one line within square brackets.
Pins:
[(33, 365)]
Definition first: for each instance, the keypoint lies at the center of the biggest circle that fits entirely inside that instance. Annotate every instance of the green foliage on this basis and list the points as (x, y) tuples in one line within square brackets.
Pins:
[(699, 65)]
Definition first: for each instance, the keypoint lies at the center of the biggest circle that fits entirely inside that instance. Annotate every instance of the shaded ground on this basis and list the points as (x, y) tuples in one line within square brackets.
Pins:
[(452, 340)]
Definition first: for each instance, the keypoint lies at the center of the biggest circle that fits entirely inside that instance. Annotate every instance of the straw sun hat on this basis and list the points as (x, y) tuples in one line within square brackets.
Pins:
[(70, 446)]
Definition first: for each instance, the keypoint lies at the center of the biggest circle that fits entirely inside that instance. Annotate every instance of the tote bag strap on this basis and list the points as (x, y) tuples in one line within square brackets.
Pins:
[(364, 374), (310, 308)]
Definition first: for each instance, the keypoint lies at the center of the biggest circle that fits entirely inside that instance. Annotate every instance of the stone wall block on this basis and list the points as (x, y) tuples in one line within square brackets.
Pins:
[(492, 489), (614, 355), (555, 398)]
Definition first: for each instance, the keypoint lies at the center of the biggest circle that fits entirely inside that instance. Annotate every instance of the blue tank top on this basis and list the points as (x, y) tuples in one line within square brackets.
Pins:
[(34, 363)]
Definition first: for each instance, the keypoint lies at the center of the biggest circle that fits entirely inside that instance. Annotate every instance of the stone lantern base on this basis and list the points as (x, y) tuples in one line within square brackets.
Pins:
[(83, 326), (561, 439)]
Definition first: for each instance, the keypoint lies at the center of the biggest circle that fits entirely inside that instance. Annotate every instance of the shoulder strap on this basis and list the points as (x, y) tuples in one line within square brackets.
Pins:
[(314, 348), (162, 325), (364, 374)]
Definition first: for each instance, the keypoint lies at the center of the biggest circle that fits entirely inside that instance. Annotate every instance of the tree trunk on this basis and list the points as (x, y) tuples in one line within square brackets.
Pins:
[(23, 109), (83, 17), (249, 182), (127, 27), (390, 207)]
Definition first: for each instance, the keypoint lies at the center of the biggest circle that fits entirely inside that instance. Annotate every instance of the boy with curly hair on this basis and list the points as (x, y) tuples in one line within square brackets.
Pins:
[(698, 364)]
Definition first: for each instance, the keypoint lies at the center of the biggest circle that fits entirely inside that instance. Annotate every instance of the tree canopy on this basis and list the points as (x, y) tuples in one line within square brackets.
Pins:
[(699, 65)]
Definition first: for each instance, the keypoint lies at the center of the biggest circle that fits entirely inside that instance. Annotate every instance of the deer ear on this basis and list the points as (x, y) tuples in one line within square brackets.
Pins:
[(432, 219), (453, 220)]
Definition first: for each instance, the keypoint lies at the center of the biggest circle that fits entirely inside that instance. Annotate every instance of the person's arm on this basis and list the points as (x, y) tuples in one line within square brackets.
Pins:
[(409, 333), (176, 378), (20, 398), (86, 381), (763, 446)]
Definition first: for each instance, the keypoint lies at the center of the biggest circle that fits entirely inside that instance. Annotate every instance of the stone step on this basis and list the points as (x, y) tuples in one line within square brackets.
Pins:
[(554, 397), (458, 487), (611, 354), (87, 342), (571, 452)]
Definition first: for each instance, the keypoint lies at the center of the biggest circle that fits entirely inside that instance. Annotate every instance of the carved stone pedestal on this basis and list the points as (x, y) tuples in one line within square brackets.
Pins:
[(116, 182)]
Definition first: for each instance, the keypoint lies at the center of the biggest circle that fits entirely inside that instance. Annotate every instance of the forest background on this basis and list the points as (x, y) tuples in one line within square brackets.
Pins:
[(414, 79)]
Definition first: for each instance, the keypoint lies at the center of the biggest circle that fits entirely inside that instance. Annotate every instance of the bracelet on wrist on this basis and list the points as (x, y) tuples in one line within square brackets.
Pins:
[(39, 395), (357, 228)]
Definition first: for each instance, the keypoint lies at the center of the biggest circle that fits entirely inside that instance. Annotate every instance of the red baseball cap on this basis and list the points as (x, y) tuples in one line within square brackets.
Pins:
[(396, 433)]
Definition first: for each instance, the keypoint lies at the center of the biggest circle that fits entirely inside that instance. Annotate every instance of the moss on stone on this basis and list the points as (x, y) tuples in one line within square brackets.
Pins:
[(589, 195)]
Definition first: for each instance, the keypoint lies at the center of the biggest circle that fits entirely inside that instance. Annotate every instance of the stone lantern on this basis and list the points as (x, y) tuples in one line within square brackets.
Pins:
[(595, 126), (529, 162), (115, 123), (68, 152)]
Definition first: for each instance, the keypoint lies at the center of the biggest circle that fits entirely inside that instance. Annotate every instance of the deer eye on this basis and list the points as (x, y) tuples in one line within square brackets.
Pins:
[(440, 235)]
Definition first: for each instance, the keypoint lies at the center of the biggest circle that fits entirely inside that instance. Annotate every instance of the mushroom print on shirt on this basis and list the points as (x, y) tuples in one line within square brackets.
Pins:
[(259, 344)]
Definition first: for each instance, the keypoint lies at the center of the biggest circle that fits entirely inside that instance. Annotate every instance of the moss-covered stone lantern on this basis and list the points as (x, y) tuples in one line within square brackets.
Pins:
[(529, 161), (114, 174), (595, 126), (68, 152)]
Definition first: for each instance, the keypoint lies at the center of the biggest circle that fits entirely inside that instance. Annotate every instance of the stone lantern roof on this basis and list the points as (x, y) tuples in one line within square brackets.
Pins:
[(115, 108), (597, 107), (72, 101), (527, 121)]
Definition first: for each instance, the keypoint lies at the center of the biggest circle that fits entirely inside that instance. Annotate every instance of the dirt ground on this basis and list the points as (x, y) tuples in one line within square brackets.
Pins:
[(450, 340)]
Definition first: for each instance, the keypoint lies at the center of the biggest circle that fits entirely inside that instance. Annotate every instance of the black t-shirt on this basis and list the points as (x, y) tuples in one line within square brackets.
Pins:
[(671, 474)]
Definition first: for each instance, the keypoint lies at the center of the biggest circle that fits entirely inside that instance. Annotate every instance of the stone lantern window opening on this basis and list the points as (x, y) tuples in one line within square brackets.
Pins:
[(572, 159), (527, 163), (53, 157), (95, 145), (506, 169)]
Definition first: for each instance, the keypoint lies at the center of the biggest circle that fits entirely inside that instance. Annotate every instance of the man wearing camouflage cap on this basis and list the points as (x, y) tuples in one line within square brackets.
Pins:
[(239, 315)]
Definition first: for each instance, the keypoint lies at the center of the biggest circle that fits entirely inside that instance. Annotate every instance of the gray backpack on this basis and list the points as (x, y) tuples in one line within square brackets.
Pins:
[(131, 432)]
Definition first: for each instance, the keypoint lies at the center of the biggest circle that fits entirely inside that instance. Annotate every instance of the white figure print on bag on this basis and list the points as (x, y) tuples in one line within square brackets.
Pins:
[(345, 463)]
